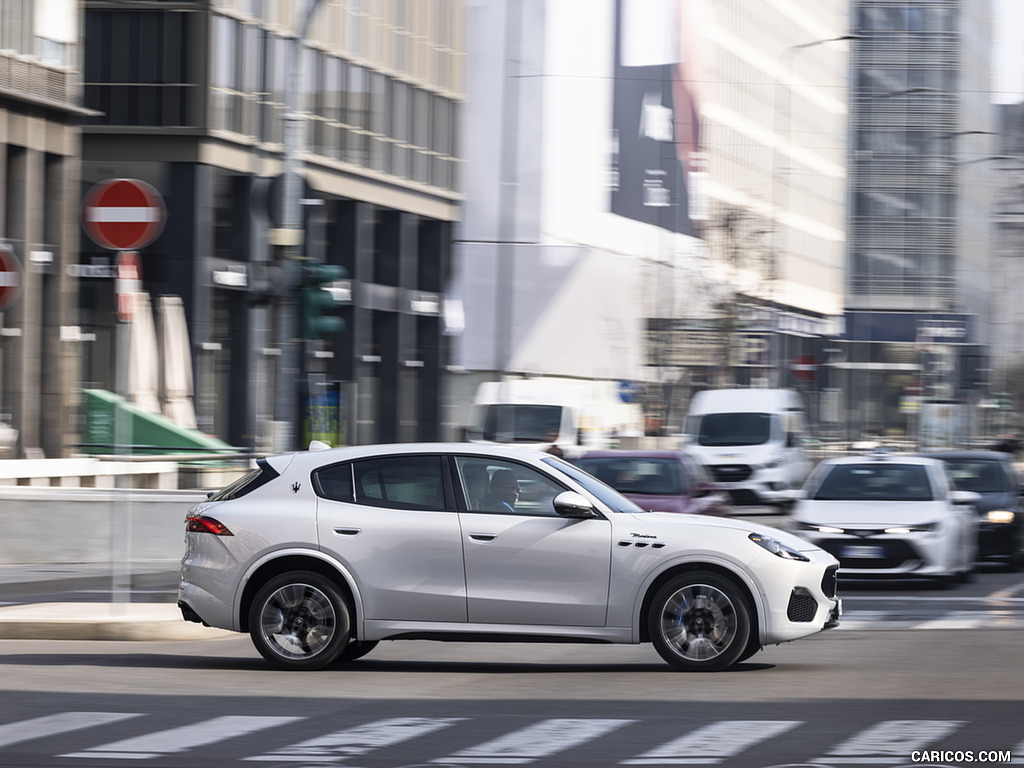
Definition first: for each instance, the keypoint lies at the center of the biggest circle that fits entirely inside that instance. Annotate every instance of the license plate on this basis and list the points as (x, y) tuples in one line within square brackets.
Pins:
[(855, 550)]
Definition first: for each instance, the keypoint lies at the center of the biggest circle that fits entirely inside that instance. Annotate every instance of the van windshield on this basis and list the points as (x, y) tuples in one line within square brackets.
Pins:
[(720, 429), (521, 423)]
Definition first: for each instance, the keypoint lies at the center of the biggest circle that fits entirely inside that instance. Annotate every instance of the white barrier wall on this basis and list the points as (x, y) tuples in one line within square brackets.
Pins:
[(66, 526)]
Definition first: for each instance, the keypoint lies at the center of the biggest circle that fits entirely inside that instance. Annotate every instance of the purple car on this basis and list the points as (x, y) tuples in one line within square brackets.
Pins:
[(660, 481)]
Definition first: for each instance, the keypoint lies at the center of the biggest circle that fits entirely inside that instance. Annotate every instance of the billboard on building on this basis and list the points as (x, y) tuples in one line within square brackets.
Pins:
[(657, 160)]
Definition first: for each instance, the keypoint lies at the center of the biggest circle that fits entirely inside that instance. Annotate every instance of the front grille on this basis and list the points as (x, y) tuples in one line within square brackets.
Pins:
[(828, 581), (730, 473), (802, 606), (895, 553)]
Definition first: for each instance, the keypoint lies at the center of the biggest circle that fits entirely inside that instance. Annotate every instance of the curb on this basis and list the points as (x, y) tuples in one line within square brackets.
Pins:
[(101, 621)]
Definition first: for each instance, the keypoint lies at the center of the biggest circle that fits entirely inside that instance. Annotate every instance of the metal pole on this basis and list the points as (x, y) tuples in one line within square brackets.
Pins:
[(289, 240)]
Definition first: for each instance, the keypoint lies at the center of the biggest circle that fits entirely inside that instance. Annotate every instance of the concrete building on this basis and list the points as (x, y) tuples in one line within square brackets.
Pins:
[(40, 112), (194, 99), (654, 194), (1008, 266), (920, 227)]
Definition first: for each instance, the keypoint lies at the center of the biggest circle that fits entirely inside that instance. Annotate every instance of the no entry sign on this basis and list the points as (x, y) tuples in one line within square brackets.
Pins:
[(123, 214), (10, 277)]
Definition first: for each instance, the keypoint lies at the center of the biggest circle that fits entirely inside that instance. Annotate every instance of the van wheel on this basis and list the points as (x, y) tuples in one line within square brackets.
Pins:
[(700, 622), (299, 621)]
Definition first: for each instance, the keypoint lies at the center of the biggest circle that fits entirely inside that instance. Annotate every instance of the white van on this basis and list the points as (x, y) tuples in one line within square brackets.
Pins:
[(750, 440), (576, 416)]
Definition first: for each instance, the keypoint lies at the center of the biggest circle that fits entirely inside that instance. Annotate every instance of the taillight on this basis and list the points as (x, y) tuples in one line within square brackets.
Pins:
[(204, 524)]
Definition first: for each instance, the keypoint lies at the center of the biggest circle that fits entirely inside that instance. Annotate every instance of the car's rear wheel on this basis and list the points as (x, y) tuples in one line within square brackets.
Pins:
[(700, 622), (356, 649), (299, 621)]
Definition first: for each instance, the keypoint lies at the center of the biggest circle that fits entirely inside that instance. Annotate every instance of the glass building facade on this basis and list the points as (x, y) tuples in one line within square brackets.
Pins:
[(194, 99)]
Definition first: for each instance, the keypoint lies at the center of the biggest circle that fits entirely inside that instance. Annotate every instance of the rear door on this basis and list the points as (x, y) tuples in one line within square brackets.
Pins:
[(392, 521)]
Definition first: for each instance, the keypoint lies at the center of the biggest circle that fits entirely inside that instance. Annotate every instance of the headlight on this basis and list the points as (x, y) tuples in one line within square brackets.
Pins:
[(1002, 516), (773, 462), (903, 529), (777, 548), (802, 526)]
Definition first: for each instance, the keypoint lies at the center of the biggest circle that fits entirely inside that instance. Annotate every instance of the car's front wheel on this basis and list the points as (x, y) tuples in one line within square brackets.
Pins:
[(299, 621), (700, 622)]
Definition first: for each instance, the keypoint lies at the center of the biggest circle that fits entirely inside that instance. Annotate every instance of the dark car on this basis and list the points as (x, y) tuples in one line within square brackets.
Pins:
[(992, 475), (660, 481)]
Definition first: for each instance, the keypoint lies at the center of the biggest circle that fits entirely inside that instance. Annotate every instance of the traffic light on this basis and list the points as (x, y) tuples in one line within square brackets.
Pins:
[(319, 300)]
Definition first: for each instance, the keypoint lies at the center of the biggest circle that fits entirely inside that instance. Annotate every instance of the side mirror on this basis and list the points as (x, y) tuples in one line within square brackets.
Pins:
[(572, 504), (964, 497)]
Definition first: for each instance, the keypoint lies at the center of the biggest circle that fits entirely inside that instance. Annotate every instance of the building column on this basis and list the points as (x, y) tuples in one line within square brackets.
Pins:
[(24, 319)]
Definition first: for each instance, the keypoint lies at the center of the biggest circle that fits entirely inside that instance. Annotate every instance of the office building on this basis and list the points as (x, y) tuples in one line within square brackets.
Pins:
[(194, 98), (920, 231), (40, 114)]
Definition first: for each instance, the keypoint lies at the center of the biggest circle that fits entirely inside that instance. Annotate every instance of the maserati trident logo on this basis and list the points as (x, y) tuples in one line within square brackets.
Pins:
[(295, 487)]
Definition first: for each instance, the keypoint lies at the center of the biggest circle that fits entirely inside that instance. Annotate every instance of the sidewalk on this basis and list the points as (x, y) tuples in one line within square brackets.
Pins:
[(78, 602)]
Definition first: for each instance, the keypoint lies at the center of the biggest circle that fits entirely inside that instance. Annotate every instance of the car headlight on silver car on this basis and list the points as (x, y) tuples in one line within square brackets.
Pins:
[(777, 548), (905, 529), (1001, 516)]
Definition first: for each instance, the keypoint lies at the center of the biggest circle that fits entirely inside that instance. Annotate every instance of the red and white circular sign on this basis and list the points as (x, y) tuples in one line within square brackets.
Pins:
[(123, 214), (10, 277), (804, 367)]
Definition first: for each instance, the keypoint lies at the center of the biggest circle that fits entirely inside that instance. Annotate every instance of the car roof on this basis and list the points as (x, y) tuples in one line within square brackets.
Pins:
[(977, 455), (885, 458), (311, 459), (655, 453)]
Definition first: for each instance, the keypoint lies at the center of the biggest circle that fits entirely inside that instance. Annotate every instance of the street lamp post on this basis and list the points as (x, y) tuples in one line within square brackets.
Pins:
[(288, 239)]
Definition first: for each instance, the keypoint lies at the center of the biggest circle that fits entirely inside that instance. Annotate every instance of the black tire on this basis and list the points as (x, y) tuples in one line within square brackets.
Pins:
[(299, 621), (700, 622), (356, 649), (753, 646)]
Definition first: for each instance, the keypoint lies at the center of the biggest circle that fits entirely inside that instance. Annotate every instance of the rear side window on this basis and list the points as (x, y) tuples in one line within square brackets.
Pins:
[(400, 482), (248, 483), (334, 482)]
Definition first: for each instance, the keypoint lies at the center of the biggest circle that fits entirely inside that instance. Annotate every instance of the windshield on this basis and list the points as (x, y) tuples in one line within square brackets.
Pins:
[(639, 475), (520, 423), (977, 476), (875, 482), (608, 495), (720, 429)]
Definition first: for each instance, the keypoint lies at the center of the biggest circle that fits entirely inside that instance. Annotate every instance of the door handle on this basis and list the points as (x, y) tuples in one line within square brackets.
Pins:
[(483, 536), (348, 531)]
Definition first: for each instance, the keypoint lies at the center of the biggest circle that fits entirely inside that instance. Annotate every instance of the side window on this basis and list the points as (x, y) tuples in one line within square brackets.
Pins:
[(334, 482), (505, 487), (400, 482)]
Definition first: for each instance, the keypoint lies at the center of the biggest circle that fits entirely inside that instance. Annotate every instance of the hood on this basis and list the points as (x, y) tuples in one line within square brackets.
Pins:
[(667, 524), (735, 454), (843, 514), (653, 503), (997, 500)]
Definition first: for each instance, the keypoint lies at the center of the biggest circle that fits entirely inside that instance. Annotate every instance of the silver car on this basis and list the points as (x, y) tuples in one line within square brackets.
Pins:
[(319, 555), (889, 516)]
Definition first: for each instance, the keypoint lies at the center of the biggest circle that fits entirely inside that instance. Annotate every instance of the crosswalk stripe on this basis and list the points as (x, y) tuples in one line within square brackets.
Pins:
[(714, 743), (541, 740), (1018, 754), (184, 738), (361, 739), (890, 741), (50, 725)]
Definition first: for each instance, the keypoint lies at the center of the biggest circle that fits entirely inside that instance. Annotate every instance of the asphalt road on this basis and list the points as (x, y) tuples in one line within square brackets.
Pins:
[(842, 697), (914, 676)]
